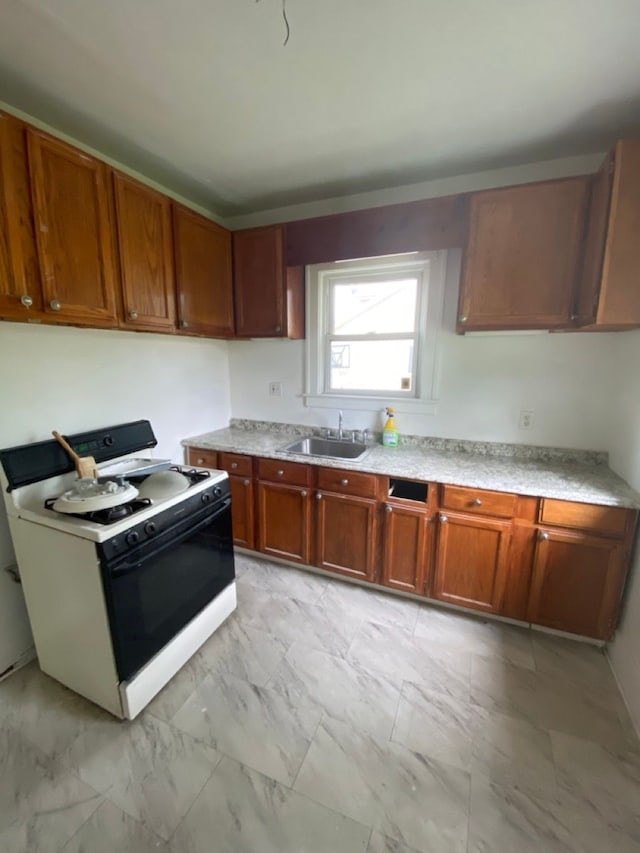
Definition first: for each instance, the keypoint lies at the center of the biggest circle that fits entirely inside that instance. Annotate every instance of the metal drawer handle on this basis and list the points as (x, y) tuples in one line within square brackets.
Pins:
[(344, 482), (234, 464), (388, 508), (55, 305), (304, 493), (542, 536), (318, 496), (477, 502), (281, 473), (444, 519), (247, 482), (26, 300)]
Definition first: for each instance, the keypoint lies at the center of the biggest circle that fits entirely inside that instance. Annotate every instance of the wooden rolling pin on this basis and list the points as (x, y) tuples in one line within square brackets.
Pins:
[(85, 465)]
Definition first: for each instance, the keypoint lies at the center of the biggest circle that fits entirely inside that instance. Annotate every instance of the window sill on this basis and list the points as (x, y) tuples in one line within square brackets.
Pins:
[(371, 404)]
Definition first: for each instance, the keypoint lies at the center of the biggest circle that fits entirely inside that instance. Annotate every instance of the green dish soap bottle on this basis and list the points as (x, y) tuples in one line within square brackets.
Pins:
[(390, 433)]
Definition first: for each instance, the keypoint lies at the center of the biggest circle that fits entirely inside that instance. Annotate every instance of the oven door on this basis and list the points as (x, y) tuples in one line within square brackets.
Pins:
[(155, 590)]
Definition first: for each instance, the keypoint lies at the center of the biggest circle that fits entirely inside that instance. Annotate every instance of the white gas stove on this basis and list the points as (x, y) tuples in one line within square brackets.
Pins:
[(118, 599)]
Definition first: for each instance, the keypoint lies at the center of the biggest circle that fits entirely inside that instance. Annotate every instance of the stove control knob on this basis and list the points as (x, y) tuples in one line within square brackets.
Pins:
[(108, 441), (217, 491), (133, 537), (206, 497), (150, 528)]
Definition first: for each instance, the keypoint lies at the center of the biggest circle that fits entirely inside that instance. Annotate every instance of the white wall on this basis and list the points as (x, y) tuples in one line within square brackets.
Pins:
[(484, 383), (625, 459), (76, 379)]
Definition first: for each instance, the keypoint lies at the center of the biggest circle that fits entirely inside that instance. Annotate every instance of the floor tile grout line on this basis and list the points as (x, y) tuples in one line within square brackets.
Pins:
[(103, 799), (169, 841)]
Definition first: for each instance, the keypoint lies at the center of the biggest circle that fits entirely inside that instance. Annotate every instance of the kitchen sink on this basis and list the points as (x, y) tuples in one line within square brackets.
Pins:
[(333, 448)]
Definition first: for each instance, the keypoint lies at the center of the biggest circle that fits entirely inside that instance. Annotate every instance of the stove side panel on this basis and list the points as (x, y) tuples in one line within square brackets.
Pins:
[(65, 601)]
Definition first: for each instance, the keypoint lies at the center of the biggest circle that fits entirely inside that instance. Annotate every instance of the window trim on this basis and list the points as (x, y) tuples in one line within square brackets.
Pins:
[(429, 318)]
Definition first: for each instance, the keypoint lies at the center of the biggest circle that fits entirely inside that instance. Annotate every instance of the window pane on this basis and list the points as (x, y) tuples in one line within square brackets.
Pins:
[(371, 365), (374, 307)]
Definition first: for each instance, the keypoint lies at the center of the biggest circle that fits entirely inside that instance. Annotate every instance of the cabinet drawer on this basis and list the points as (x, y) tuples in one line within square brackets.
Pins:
[(236, 463), (479, 500), (607, 519), (348, 482), (202, 458), (284, 472)]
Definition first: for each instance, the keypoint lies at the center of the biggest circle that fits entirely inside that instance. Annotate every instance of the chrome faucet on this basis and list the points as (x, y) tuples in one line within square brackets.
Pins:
[(340, 435)]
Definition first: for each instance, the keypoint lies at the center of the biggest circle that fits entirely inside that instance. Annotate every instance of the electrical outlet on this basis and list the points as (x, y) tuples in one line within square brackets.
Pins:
[(275, 389), (527, 417)]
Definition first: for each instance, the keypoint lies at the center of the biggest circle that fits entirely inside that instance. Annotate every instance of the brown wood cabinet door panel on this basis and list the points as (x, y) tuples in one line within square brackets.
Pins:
[(481, 501), (407, 548), (236, 463), (292, 473), (242, 501), (259, 281), (143, 219), (202, 457), (20, 290), (203, 274), (472, 562), (346, 532), (73, 230), (577, 583), (349, 482), (604, 519), (284, 521), (522, 255)]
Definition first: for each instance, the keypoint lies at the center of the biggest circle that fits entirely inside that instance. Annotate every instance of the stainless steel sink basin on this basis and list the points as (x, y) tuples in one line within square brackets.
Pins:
[(334, 448)]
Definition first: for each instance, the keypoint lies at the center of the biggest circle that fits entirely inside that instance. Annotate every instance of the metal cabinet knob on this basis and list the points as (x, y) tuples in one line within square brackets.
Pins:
[(234, 464), (199, 461), (477, 502), (542, 536), (247, 482), (133, 315), (55, 305), (318, 496), (304, 493), (280, 473), (444, 519), (463, 318), (278, 329), (388, 508), (344, 482), (26, 300)]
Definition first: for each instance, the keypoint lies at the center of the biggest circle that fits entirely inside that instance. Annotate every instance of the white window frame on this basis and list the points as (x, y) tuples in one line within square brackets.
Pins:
[(429, 268)]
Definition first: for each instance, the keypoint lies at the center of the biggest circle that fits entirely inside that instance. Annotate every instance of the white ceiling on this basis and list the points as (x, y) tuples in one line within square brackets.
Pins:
[(202, 96)]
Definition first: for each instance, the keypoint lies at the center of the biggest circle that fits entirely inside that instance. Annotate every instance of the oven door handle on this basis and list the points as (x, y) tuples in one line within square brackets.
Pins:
[(127, 566)]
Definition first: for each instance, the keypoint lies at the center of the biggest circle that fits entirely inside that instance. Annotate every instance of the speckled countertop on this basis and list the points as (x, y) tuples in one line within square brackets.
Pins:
[(541, 472)]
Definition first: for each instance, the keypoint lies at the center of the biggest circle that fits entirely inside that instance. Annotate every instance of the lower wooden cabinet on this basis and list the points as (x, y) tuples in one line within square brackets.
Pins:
[(346, 534), (408, 540), (242, 516), (472, 561), (284, 521), (577, 582)]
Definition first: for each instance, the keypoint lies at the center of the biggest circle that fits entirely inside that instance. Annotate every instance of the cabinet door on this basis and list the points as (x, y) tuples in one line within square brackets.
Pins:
[(143, 218), (472, 561), (522, 256), (242, 497), (284, 521), (73, 230), (259, 281), (346, 532), (407, 549), (20, 292), (203, 275), (577, 583)]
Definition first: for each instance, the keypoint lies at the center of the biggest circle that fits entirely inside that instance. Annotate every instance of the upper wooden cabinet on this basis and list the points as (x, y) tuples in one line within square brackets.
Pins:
[(609, 296), (522, 256), (20, 289), (203, 275), (143, 218), (73, 229), (269, 297)]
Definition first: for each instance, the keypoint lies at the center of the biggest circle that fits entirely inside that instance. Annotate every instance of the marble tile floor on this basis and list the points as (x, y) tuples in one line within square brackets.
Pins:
[(327, 718)]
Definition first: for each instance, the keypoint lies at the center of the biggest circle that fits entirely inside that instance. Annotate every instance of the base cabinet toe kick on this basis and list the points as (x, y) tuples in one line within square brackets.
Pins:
[(554, 563)]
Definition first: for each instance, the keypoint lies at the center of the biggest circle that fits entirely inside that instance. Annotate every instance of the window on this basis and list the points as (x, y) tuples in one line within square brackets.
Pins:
[(371, 331)]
